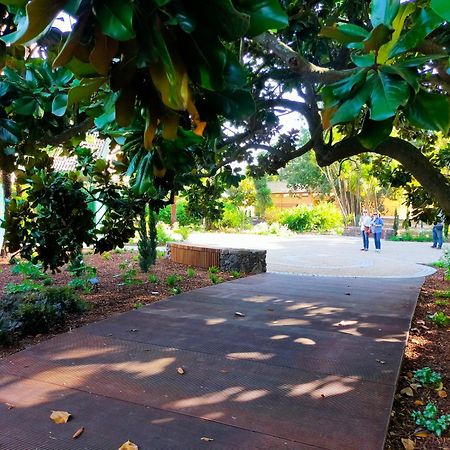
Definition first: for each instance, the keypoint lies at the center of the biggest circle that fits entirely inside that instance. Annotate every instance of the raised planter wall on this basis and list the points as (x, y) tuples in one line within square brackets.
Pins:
[(226, 259)]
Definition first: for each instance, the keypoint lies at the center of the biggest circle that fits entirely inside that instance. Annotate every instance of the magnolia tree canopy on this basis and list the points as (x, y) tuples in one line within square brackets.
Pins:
[(164, 78)]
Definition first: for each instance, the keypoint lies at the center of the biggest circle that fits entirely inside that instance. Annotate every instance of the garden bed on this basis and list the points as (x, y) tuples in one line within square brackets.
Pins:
[(427, 346), (116, 293)]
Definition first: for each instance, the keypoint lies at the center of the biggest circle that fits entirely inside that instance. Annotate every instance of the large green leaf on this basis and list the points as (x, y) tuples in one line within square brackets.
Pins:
[(233, 104), (39, 15), (404, 11), (25, 105), (387, 95), (364, 60), (375, 132), (377, 37), (343, 88), (221, 16), (409, 75), (83, 90), (441, 7), (9, 132), (115, 18), (425, 22), (344, 33), (429, 111), (418, 60), (264, 15), (383, 12), (350, 109), (59, 105)]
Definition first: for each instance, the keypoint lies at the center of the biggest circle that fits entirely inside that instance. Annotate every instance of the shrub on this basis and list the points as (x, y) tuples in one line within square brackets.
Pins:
[(323, 217), (190, 272), (213, 269), (23, 287), (272, 215), (233, 217), (408, 236), (183, 218), (29, 270), (152, 278), (38, 312), (215, 279), (173, 279)]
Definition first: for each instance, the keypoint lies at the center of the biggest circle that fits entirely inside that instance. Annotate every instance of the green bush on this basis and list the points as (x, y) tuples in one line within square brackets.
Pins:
[(183, 219), (233, 217), (408, 236), (37, 312), (322, 217), (29, 270)]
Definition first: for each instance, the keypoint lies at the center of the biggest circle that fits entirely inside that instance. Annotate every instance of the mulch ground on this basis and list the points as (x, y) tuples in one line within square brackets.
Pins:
[(113, 296), (428, 346)]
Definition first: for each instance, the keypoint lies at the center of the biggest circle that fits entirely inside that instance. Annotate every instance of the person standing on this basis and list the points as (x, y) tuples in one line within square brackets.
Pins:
[(364, 223), (377, 230), (438, 228)]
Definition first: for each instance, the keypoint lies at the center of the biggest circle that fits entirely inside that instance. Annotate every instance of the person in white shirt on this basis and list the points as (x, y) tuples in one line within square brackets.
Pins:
[(364, 223)]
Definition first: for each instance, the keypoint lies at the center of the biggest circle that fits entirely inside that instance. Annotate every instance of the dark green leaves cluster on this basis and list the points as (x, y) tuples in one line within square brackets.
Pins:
[(389, 76)]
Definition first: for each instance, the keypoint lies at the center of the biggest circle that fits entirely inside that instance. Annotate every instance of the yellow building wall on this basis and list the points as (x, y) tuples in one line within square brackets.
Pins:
[(285, 201)]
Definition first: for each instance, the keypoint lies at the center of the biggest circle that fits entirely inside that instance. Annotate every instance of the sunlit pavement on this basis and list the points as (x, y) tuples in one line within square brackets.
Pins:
[(332, 255)]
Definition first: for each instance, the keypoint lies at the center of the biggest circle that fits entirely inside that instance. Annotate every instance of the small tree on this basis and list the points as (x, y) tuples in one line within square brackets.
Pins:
[(396, 222), (148, 239)]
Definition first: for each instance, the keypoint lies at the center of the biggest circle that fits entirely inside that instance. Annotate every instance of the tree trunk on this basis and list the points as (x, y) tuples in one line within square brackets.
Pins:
[(7, 193)]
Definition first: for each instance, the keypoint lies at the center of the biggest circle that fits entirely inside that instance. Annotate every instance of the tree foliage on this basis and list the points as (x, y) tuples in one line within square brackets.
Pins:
[(161, 78)]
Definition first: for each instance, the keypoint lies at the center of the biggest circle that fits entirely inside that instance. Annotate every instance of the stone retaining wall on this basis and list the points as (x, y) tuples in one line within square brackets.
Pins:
[(242, 260)]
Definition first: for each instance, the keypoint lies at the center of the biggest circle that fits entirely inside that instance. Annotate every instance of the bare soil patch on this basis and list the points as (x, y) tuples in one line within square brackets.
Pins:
[(113, 295), (428, 346)]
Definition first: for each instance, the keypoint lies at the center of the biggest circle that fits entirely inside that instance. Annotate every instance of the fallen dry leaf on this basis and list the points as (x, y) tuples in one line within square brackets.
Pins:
[(181, 371), (422, 434), (415, 386), (239, 314), (407, 391), (128, 446), (60, 416), (419, 403), (420, 322), (409, 375), (442, 394), (78, 433), (207, 439), (408, 444)]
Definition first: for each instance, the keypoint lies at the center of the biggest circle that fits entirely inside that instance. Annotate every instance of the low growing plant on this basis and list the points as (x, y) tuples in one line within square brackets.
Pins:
[(430, 420), (176, 290), (81, 284), (129, 277), (29, 270), (427, 377), (152, 278), (106, 256), (23, 287), (442, 294), (215, 279), (440, 319), (235, 274), (173, 279), (213, 269), (190, 272), (38, 312)]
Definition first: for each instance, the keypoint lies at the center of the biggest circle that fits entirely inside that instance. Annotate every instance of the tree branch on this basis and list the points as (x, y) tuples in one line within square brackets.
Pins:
[(63, 137), (412, 159), (299, 65)]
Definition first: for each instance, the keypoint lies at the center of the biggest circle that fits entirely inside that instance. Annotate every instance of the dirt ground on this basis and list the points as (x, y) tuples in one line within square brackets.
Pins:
[(428, 346), (113, 295)]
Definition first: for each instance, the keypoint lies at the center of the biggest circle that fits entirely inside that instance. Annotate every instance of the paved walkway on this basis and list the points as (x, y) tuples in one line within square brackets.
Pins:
[(311, 364), (332, 255)]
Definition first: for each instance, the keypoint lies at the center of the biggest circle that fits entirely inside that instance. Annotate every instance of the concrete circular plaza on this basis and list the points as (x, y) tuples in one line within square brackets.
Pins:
[(332, 255)]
